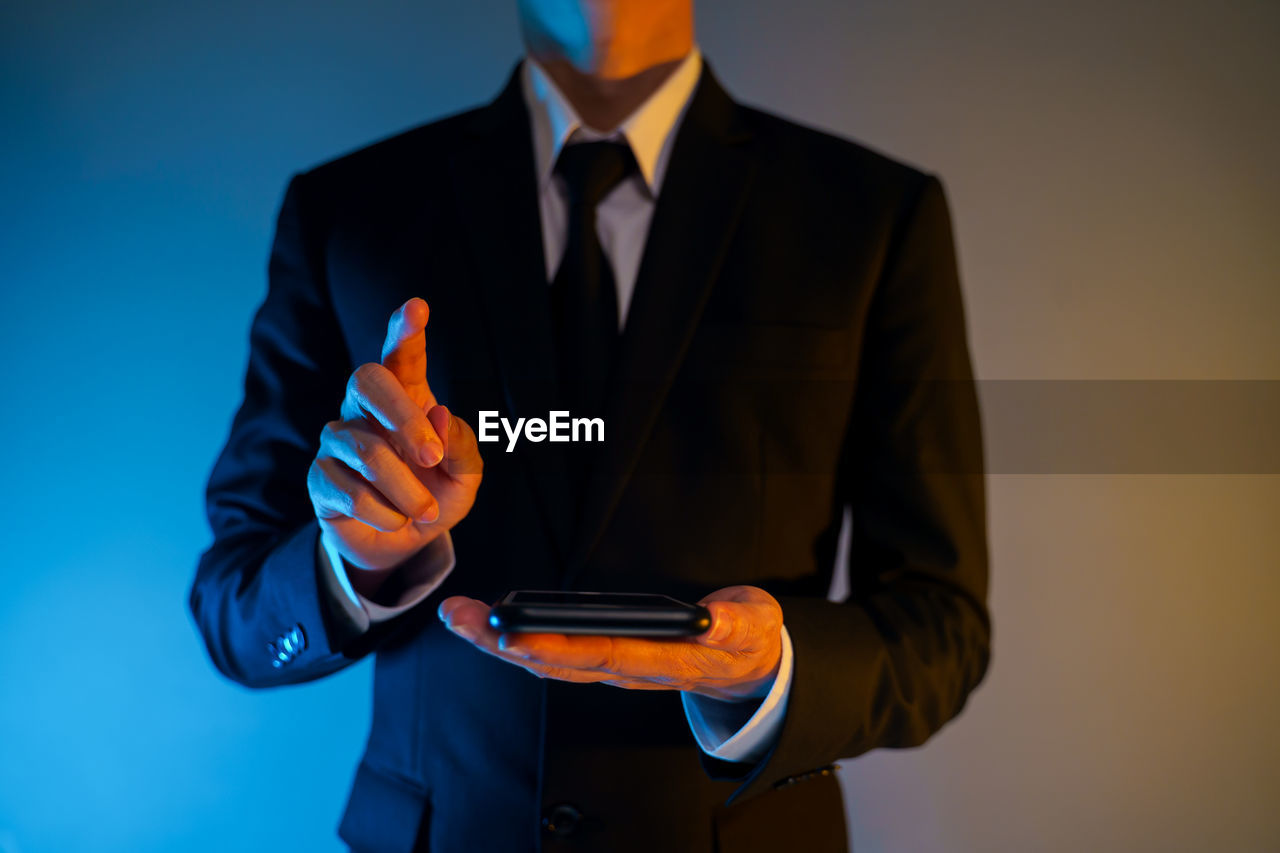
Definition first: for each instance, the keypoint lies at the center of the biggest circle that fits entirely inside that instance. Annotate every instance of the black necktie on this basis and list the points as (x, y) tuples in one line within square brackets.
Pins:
[(584, 295)]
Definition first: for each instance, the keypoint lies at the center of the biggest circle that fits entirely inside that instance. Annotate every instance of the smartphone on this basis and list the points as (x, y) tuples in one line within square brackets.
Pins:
[(619, 614)]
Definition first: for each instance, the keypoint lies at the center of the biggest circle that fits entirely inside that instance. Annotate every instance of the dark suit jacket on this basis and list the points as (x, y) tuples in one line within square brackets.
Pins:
[(795, 348)]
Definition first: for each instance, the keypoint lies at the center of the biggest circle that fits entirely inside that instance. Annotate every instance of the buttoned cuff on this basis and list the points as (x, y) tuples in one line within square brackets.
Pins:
[(742, 731), (417, 578)]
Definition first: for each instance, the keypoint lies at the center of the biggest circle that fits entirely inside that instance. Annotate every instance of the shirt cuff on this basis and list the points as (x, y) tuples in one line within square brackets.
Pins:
[(417, 578), (734, 731)]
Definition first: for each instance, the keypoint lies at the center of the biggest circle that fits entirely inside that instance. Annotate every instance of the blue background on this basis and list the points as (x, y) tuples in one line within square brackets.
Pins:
[(146, 146), (1111, 169)]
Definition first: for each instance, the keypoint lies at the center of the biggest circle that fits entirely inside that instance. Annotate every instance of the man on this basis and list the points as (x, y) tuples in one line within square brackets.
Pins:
[(768, 322)]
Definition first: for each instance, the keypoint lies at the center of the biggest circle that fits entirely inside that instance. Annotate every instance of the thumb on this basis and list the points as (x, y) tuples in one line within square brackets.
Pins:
[(742, 619), (729, 627), (404, 352), (461, 450)]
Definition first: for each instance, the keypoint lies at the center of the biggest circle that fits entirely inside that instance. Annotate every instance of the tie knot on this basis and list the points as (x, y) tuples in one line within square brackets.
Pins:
[(592, 169)]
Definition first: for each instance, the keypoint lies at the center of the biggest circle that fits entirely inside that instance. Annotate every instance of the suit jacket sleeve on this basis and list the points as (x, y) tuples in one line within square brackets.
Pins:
[(896, 660), (259, 581)]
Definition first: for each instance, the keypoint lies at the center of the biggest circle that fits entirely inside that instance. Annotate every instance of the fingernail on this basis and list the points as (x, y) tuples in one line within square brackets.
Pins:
[(464, 632), (432, 453), (431, 515), (720, 630), (511, 646)]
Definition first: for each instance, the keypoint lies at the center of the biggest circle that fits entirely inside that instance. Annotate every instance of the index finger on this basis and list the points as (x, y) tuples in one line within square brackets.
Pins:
[(404, 352), (671, 661)]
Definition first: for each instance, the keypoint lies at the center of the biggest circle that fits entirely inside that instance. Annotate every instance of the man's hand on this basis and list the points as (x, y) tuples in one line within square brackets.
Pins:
[(737, 658), (397, 470)]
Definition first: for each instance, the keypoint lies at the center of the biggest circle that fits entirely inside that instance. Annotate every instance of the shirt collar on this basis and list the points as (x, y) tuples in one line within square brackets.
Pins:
[(649, 131)]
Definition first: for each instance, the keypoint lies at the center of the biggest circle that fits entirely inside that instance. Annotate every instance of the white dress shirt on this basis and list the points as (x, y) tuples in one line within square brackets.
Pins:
[(731, 731)]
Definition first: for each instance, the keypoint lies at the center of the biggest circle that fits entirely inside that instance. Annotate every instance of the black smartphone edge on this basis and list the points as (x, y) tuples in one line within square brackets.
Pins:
[(583, 617)]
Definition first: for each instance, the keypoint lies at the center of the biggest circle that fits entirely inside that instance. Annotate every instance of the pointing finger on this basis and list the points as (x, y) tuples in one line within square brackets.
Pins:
[(404, 352)]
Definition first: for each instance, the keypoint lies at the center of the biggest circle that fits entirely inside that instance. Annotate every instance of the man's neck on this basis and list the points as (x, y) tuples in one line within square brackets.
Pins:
[(603, 103)]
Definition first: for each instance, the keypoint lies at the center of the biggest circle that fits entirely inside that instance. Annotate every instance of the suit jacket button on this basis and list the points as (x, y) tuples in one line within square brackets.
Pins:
[(561, 819), (279, 653)]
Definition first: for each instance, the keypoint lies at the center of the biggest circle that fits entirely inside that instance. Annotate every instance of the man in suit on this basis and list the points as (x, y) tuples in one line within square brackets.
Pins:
[(768, 321)]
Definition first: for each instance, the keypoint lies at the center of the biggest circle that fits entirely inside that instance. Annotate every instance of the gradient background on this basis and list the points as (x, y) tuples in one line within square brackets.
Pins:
[(1113, 178)]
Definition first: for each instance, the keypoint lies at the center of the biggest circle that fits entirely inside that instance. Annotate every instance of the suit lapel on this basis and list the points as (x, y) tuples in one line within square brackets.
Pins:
[(697, 211), (496, 186)]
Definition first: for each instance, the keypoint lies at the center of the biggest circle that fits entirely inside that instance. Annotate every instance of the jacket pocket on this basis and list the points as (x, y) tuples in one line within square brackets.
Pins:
[(807, 815), (384, 814)]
